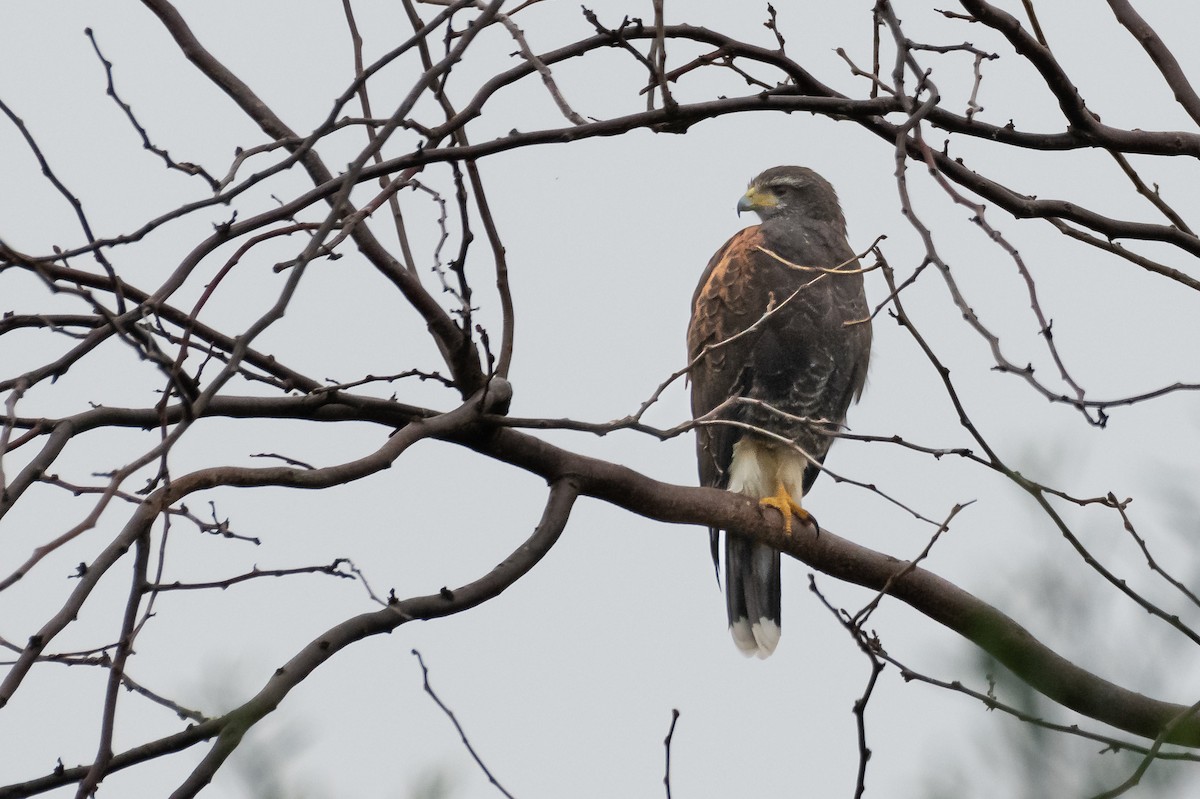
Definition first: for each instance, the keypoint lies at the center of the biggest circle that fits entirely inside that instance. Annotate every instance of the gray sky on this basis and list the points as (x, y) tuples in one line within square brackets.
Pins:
[(566, 683)]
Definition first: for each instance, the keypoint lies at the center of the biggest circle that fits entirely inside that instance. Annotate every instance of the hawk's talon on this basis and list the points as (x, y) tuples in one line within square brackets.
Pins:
[(782, 501)]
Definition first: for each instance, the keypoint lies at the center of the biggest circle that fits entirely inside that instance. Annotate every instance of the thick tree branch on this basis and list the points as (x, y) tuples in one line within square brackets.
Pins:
[(1011, 644), (933, 596)]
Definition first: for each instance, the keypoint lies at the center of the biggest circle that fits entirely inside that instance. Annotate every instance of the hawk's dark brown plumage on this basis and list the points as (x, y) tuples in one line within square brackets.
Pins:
[(805, 356)]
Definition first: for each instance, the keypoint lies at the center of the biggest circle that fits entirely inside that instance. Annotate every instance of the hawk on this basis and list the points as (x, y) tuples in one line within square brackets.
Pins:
[(779, 341)]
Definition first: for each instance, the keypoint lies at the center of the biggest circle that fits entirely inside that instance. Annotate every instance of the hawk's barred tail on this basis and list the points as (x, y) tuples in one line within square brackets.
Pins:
[(752, 595), (760, 469)]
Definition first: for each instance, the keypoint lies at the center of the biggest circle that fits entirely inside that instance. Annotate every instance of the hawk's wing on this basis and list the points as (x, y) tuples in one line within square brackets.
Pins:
[(803, 361), (727, 301)]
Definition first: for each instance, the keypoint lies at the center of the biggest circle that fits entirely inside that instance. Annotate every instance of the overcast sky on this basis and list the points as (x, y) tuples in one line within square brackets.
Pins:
[(566, 683)]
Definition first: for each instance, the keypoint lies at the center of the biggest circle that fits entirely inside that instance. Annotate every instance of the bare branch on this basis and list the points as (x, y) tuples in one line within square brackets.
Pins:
[(1160, 56), (1150, 756), (542, 70), (869, 645), (116, 671), (186, 168), (860, 618), (333, 569), (445, 602), (462, 734), (989, 701), (1150, 561), (1051, 674), (667, 749), (73, 200)]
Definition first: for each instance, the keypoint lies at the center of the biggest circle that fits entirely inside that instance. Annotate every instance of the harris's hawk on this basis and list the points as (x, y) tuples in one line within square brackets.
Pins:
[(780, 339)]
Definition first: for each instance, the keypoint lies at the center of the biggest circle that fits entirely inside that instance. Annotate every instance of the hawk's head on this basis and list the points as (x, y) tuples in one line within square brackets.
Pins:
[(792, 192)]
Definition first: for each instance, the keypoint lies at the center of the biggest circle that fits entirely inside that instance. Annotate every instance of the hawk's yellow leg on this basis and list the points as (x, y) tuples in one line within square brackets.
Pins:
[(782, 501)]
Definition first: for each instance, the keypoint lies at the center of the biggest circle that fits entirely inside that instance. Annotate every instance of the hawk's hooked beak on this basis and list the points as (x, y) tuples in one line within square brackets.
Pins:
[(755, 200)]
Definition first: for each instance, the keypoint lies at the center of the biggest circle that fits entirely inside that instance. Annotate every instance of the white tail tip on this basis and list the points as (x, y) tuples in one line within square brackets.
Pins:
[(757, 640)]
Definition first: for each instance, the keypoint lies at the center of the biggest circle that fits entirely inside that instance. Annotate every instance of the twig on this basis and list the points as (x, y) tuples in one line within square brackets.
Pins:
[(870, 646), (364, 99), (10, 415), (1150, 194), (104, 753), (543, 71), (790, 444), (105, 661), (443, 235), (1150, 561), (658, 56), (333, 569), (459, 136), (862, 615), (989, 701), (508, 320), (71, 199), (458, 727), (876, 83), (636, 417), (420, 374), (179, 710), (215, 527), (840, 269), (1033, 489), (186, 168), (772, 24), (1033, 21), (973, 106), (284, 458), (222, 273), (667, 747), (1045, 327), (390, 602), (1149, 757), (1179, 276)]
